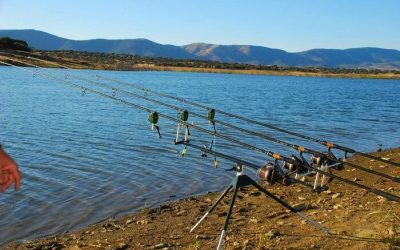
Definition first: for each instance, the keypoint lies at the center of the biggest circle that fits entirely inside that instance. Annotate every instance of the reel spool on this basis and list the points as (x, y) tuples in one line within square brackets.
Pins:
[(271, 172)]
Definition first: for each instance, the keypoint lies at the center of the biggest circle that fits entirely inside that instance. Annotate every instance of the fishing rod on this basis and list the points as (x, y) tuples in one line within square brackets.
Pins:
[(300, 149), (328, 144), (271, 154)]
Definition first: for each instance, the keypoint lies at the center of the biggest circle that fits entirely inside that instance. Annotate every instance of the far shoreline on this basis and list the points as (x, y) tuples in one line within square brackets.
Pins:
[(97, 61)]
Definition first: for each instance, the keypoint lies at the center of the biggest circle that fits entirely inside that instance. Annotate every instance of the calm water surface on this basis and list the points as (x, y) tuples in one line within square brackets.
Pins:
[(85, 158)]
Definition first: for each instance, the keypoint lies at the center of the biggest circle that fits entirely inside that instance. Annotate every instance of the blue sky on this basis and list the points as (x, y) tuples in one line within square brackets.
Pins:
[(293, 25)]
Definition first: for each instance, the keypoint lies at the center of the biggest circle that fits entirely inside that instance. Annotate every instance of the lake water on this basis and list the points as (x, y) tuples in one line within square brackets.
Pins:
[(86, 158)]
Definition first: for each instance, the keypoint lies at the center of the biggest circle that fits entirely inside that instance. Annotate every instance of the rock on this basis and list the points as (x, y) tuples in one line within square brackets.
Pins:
[(256, 193), (392, 231), (122, 246), (337, 206), (255, 221), (385, 158), (356, 179), (129, 221), (165, 207), (182, 212), (203, 237), (243, 210), (382, 166), (76, 247), (300, 206), (160, 246), (272, 234), (142, 222), (236, 244), (337, 195), (301, 198), (280, 223), (208, 200)]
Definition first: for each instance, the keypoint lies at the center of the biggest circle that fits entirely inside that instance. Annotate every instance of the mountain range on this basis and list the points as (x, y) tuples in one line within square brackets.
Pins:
[(331, 58)]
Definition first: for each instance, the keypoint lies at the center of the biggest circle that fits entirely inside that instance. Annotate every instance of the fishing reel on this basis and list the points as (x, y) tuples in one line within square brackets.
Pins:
[(273, 172), (153, 119)]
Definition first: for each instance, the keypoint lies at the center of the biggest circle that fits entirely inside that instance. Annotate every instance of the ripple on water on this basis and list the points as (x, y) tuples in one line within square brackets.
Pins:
[(85, 159)]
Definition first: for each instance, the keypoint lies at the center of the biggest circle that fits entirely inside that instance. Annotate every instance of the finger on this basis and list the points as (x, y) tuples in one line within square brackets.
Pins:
[(17, 179), (6, 185)]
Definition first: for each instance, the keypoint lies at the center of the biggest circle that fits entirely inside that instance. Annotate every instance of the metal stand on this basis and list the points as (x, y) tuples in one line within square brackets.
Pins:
[(242, 180)]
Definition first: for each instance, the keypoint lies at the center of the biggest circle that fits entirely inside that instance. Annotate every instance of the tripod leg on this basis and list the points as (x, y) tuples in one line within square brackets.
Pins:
[(221, 239), (212, 208), (293, 210)]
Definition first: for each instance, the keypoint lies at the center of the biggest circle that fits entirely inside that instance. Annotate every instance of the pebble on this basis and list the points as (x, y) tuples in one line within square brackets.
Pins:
[(182, 212), (337, 206), (203, 237), (255, 221), (386, 158), (160, 246), (300, 206), (337, 195), (356, 179), (208, 200), (272, 234), (280, 223), (129, 221), (301, 198), (142, 222), (256, 193), (122, 246)]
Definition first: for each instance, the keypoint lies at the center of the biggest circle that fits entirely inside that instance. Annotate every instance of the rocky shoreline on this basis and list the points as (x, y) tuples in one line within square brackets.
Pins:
[(358, 219)]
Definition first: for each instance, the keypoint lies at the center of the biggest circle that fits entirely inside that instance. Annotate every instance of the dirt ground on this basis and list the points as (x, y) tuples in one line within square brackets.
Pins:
[(358, 219)]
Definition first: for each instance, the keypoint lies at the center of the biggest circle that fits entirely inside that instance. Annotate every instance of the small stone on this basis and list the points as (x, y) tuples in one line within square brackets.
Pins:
[(382, 166), (255, 221), (300, 206), (142, 222), (356, 179), (337, 195), (236, 244), (182, 212), (301, 198), (328, 191), (129, 221), (160, 246), (272, 234), (122, 246), (208, 200), (385, 158), (337, 206), (256, 193), (280, 223), (203, 237), (392, 231)]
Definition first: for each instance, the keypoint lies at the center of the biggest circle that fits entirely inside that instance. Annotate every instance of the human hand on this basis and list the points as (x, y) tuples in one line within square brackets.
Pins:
[(9, 175), (8, 172)]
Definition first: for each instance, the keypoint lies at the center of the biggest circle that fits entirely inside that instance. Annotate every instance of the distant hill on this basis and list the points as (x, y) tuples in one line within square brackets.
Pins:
[(331, 58)]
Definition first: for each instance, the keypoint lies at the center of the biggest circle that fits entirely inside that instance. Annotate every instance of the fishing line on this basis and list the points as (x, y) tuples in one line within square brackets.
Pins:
[(271, 154), (211, 118)]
